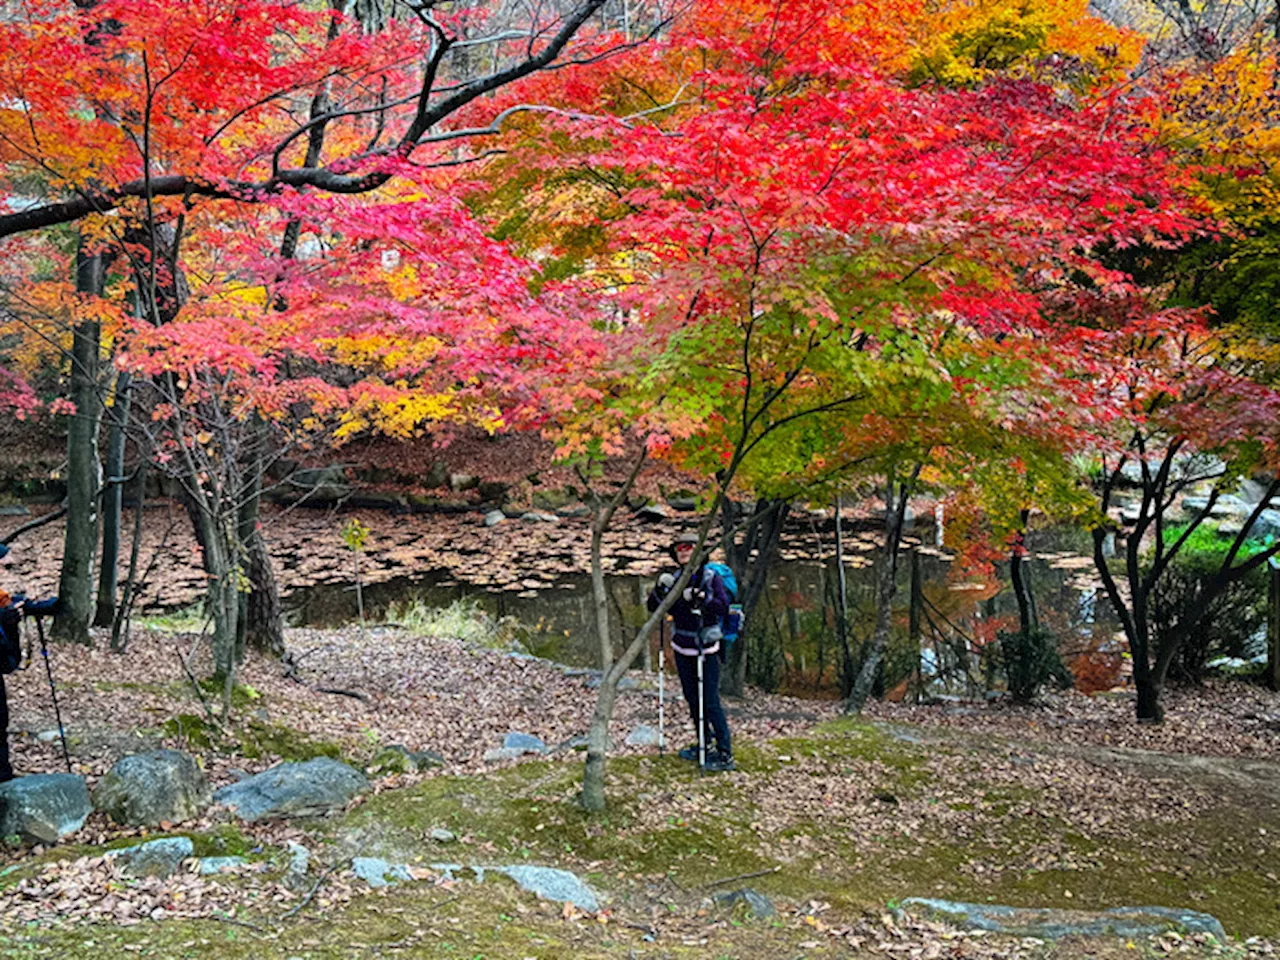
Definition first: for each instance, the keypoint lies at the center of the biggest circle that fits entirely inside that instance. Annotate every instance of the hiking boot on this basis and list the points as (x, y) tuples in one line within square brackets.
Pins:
[(719, 762), (689, 753)]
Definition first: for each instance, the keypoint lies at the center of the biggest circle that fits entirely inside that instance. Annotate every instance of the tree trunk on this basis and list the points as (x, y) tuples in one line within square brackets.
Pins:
[(123, 613), (112, 503), (597, 748), (75, 584), (261, 620), (763, 537), (896, 495), (1017, 575)]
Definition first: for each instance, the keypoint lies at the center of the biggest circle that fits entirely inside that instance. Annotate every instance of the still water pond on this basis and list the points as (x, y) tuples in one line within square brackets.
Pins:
[(942, 633)]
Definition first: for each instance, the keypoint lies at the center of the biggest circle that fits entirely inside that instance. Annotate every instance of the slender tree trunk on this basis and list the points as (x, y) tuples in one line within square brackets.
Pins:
[(261, 620), (896, 494), (1017, 575), (75, 584), (593, 798), (763, 538), (120, 623), (112, 503)]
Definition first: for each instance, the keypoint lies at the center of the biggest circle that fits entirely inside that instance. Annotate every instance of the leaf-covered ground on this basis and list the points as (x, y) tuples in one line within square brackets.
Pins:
[(1066, 804)]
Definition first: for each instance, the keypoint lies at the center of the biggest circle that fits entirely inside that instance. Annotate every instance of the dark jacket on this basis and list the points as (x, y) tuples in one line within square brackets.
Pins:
[(712, 602)]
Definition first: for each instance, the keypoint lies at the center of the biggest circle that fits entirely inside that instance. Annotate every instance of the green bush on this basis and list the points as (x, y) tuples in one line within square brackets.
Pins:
[(1030, 661), (1230, 620)]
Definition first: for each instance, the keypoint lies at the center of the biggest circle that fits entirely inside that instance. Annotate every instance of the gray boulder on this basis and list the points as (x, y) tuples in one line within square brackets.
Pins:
[(147, 789), (155, 858), (44, 807), (494, 517), (1051, 924), (757, 904), (306, 789)]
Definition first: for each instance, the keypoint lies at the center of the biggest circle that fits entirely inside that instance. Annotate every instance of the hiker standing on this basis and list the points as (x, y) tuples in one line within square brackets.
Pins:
[(696, 617)]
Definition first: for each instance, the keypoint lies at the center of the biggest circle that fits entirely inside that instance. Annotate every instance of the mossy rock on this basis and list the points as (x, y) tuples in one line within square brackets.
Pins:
[(400, 759)]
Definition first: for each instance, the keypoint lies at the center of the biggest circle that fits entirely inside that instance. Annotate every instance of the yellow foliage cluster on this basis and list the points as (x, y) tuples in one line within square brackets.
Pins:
[(964, 42)]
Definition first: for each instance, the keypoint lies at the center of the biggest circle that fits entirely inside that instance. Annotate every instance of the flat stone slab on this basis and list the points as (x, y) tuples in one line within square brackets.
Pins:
[(550, 883), (643, 735), (553, 884), (307, 789), (526, 742), (212, 865), (375, 871), (1050, 923), (44, 807)]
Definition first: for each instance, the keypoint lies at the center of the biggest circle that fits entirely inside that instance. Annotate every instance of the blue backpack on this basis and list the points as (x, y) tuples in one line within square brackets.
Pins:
[(731, 622)]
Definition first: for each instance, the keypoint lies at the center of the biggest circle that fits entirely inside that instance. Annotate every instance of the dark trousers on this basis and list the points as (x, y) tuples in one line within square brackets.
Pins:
[(717, 726), (6, 771)]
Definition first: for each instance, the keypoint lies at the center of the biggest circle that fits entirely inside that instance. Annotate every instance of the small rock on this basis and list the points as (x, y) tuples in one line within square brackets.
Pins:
[(375, 871), (397, 758), (462, 481), (441, 835), (48, 736), (155, 858), (211, 865), (683, 504), (494, 517), (575, 512), (642, 735), (653, 513), (14, 510), (533, 516), (758, 905), (44, 807), (526, 742), (501, 754), (552, 884), (295, 875)]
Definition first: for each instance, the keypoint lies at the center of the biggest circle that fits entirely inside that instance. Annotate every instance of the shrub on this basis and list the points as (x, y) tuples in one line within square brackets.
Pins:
[(1030, 661), (1230, 621)]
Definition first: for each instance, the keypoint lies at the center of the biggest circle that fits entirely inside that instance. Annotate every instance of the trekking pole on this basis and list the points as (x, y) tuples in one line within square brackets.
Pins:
[(662, 700), (702, 719), (53, 690)]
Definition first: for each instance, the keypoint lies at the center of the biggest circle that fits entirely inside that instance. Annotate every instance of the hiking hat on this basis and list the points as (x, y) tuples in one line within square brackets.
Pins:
[(690, 538)]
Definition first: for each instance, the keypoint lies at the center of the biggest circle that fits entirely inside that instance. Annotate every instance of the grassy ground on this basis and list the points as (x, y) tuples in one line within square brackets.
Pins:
[(840, 824)]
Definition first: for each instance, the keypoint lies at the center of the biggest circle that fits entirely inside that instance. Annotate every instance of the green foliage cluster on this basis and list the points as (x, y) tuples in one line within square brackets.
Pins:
[(1229, 621)]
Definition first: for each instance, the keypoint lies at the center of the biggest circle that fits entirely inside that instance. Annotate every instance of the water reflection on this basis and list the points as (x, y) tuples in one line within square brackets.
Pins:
[(942, 627)]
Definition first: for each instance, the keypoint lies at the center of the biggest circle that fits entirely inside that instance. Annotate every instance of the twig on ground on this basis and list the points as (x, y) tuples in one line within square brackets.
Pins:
[(314, 887), (339, 692), (195, 685), (238, 923), (741, 876)]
